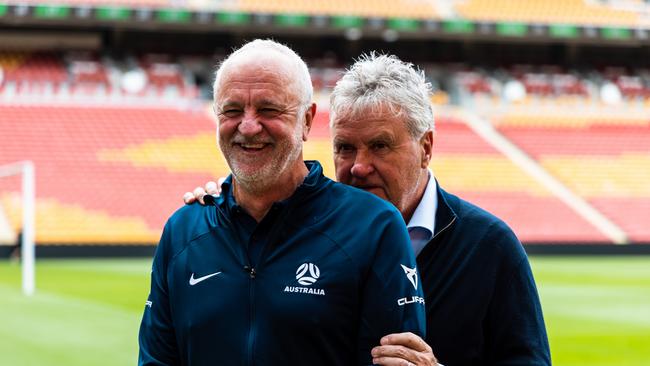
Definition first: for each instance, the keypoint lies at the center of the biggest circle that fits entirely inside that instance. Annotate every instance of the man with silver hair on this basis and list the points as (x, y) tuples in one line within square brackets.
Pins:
[(272, 272), (481, 299)]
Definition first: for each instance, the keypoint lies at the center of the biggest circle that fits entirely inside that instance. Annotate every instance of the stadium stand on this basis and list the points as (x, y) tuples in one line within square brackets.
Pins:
[(163, 75), (468, 166), (87, 195), (86, 75), (549, 11), (419, 9), (521, 84), (632, 13), (605, 160), (366, 8), (99, 3), (31, 73)]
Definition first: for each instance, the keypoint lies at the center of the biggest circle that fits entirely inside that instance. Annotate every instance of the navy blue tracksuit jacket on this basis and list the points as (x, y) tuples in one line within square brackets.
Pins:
[(334, 275)]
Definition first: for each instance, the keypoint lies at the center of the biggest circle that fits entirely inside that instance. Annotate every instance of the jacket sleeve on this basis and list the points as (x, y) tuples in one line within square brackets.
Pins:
[(156, 337), (515, 324), (392, 299)]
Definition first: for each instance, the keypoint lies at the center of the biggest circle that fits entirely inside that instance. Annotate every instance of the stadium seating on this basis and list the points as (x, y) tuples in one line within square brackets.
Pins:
[(548, 11), (605, 160), (631, 13), (466, 165), (551, 84), (99, 3), (84, 75), (32, 72), (88, 75), (87, 191), (164, 76), (366, 8), (475, 83), (76, 74), (420, 9)]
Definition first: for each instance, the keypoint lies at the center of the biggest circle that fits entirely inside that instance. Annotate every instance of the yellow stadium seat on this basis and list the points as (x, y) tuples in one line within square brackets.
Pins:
[(546, 11)]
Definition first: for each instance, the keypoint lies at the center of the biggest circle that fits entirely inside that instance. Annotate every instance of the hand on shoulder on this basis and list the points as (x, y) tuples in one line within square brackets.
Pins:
[(197, 195)]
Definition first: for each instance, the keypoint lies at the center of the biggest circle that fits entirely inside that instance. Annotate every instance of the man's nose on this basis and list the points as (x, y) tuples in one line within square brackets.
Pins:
[(362, 166), (249, 125)]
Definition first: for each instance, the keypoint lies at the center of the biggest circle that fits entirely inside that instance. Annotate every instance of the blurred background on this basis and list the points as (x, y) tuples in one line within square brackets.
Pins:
[(542, 117)]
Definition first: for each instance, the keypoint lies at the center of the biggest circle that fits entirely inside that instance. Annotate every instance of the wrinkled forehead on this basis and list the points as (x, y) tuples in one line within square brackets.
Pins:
[(363, 112), (369, 124)]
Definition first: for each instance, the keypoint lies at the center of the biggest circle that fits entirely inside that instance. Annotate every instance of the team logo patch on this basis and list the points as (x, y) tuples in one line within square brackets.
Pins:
[(307, 274), (411, 275), (307, 279)]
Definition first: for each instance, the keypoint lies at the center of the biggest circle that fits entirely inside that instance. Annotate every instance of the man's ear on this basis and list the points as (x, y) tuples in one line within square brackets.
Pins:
[(426, 149), (310, 114)]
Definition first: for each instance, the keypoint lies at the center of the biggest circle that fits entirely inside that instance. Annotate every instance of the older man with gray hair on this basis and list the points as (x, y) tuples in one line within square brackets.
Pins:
[(286, 267), (481, 299)]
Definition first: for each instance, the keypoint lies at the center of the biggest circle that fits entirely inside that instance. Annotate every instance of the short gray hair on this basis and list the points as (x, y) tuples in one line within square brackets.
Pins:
[(384, 80), (301, 71)]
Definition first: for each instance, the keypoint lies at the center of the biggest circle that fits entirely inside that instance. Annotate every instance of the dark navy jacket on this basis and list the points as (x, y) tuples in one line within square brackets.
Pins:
[(335, 276), (481, 298)]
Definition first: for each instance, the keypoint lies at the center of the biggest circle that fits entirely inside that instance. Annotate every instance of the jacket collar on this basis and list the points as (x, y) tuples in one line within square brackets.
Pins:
[(424, 216), (312, 183), (445, 214)]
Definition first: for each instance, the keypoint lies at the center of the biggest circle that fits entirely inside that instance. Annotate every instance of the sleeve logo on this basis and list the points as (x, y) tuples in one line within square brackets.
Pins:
[(411, 275)]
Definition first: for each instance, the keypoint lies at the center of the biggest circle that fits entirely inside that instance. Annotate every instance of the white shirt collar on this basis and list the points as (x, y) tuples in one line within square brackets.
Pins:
[(425, 213)]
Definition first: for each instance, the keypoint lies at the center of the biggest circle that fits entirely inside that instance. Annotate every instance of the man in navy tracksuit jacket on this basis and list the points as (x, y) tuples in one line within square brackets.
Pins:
[(287, 267), (332, 277)]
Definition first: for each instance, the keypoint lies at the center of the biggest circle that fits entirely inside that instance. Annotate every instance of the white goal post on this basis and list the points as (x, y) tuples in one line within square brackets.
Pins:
[(27, 255)]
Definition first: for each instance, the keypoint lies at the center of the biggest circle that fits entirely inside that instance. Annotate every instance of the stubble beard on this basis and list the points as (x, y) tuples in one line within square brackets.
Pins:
[(264, 176)]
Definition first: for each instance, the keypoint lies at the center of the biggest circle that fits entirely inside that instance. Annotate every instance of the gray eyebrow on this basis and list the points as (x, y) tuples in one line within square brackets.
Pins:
[(228, 103)]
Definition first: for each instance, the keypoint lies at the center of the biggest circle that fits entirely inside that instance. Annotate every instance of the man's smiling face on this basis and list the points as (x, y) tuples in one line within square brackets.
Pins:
[(260, 119)]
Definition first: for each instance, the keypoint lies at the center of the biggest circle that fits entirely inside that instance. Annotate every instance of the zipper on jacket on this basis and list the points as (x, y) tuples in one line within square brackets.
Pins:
[(444, 228), (251, 330), (251, 271)]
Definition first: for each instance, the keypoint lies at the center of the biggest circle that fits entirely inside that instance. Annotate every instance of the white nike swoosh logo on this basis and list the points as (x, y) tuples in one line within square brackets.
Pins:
[(194, 281)]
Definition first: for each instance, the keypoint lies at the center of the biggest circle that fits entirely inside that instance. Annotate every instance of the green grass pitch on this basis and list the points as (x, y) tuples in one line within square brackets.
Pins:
[(87, 312)]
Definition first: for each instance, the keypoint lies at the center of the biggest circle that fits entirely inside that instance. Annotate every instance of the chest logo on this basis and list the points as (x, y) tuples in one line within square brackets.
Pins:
[(305, 278), (194, 281), (411, 275), (306, 274)]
